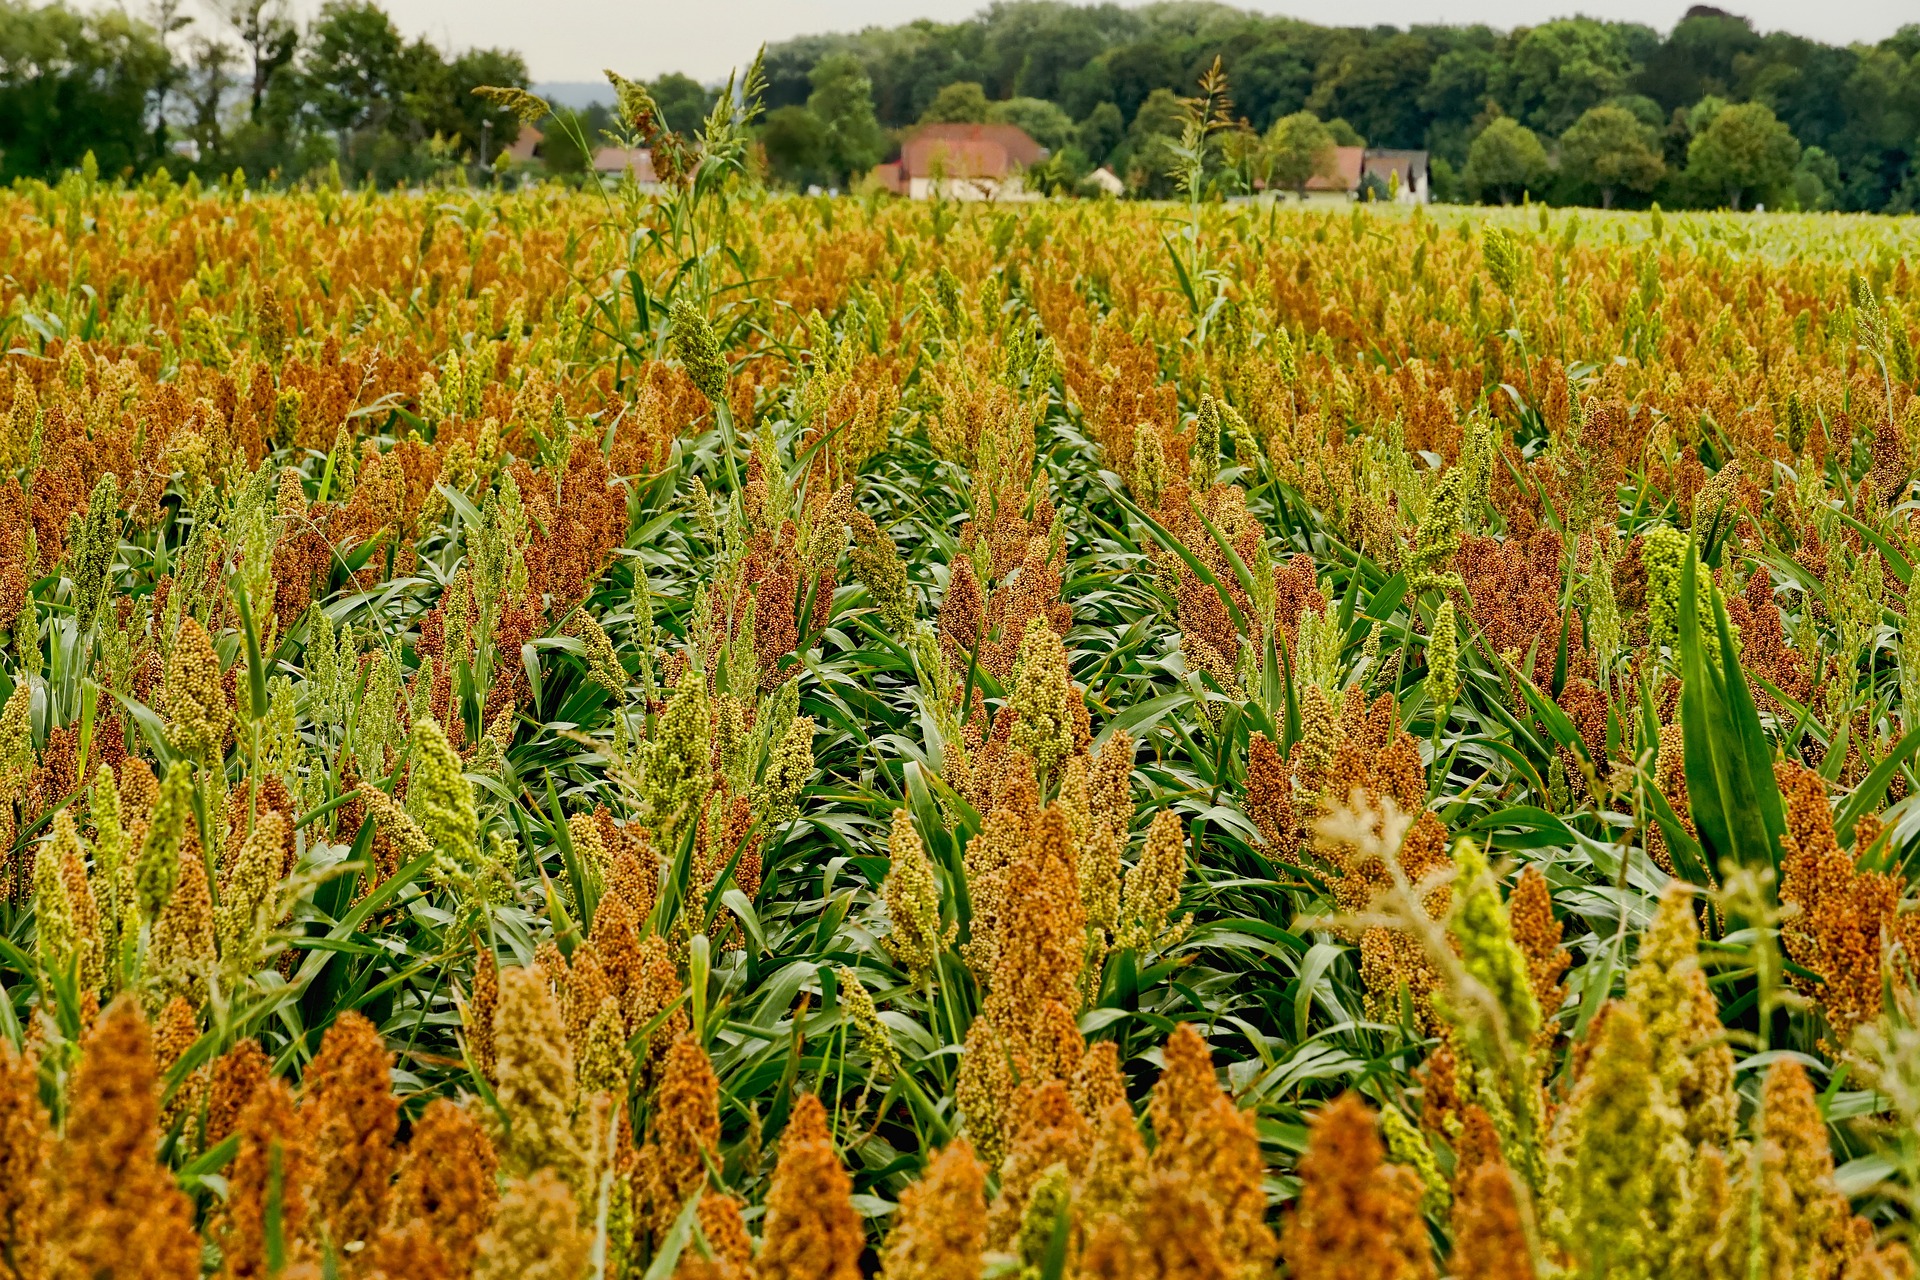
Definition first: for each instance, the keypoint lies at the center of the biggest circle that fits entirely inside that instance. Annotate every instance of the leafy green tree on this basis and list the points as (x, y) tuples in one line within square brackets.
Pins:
[(1505, 160), (1610, 150), (1298, 149), (73, 82), (1045, 123), (842, 101), (269, 38), (683, 101), (1555, 71), (1744, 153), (796, 145), (1148, 156), (1816, 180), (963, 102), (351, 72), (1344, 134), (1703, 55), (1100, 133)]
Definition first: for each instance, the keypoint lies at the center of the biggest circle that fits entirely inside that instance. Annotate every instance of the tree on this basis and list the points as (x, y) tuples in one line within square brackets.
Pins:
[(1610, 149), (270, 39), (351, 71), (963, 102), (1148, 152), (1815, 180), (1100, 133), (1045, 123), (683, 101), (796, 145), (73, 82), (1744, 152), (1299, 149), (1555, 71), (1505, 160), (842, 101)]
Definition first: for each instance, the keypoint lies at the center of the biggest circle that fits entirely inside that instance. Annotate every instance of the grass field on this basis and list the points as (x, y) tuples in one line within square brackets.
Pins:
[(563, 735)]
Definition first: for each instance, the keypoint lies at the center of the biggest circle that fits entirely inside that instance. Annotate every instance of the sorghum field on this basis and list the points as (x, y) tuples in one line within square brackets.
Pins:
[(562, 734)]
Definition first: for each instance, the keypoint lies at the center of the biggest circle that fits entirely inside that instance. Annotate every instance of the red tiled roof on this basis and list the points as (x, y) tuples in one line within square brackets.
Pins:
[(620, 159), (1348, 160), (969, 150)]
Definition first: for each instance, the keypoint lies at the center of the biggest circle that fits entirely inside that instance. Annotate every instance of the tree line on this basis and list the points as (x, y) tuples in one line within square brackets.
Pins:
[(248, 88), (1570, 111), (1713, 113)]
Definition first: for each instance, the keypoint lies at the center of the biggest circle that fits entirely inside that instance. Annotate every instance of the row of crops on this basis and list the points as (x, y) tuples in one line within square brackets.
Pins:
[(712, 735)]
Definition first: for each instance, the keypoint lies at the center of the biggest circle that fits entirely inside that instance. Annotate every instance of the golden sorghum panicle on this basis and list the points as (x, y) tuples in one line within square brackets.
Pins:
[(604, 1063), (882, 1057), (684, 1132), (1480, 926), (1662, 552), (1153, 888), (536, 1233), (1537, 933), (250, 900), (273, 1149), (174, 1034), (1043, 937), (115, 1210), (812, 1230), (68, 854), (983, 1090), (166, 832), (1357, 1217), (1808, 1228), (196, 702), (26, 1143), (789, 766), (1616, 1156), (348, 1106), (1443, 660), (1270, 795), (1207, 1141), (674, 763), (1041, 697), (876, 563), (183, 945), (1502, 254), (446, 1181), (915, 937), (940, 1232), (1669, 989), (440, 798), (483, 1001), (699, 350), (237, 1075), (1489, 1240), (533, 1073), (56, 931)]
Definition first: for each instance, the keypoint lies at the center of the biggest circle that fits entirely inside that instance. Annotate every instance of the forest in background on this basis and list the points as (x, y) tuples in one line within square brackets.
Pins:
[(1710, 114)]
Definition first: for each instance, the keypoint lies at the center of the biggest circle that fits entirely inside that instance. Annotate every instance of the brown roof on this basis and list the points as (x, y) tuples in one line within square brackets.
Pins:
[(620, 159), (1347, 160), (969, 150)]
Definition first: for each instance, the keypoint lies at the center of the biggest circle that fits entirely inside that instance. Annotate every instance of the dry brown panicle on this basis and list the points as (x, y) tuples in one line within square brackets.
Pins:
[(812, 1231), (351, 1116)]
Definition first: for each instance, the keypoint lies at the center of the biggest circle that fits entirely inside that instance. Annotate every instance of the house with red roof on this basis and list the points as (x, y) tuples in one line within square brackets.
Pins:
[(963, 162)]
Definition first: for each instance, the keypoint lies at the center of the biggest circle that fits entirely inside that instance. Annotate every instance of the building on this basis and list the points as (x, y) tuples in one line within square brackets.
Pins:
[(1401, 172), (963, 162), (526, 145), (614, 162)]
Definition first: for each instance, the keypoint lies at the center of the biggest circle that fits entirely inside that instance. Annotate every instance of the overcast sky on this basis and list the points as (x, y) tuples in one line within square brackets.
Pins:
[(574, 39)]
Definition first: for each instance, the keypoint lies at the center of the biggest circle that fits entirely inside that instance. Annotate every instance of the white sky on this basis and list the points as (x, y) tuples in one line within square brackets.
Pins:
[(574, 39)]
